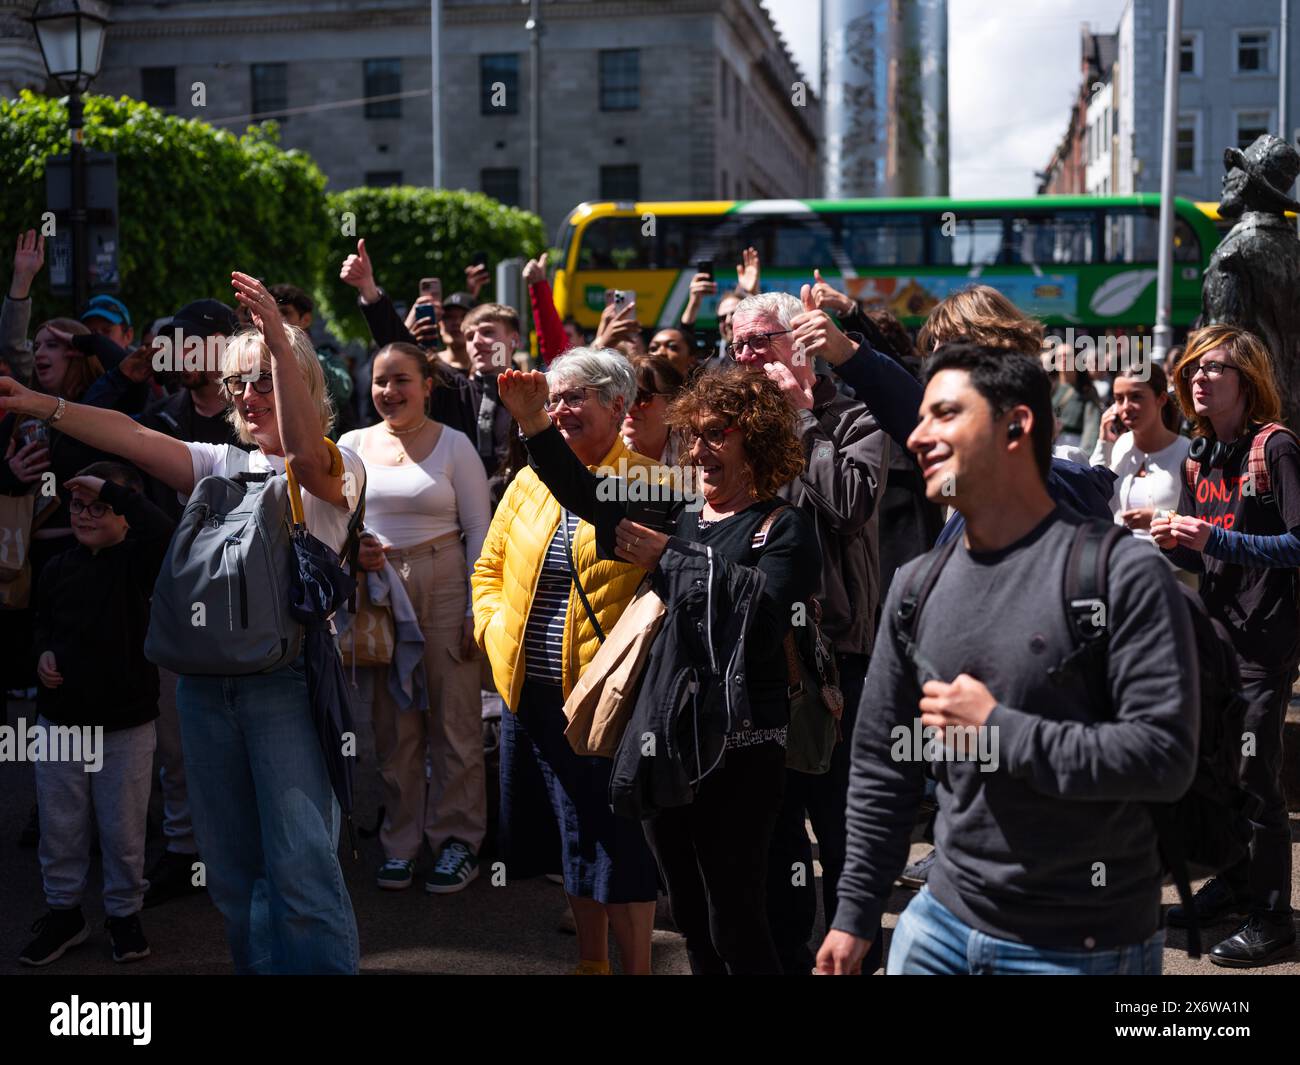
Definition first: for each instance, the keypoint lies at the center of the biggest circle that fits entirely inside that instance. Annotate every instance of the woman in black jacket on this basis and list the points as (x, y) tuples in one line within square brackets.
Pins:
[(739, 436)]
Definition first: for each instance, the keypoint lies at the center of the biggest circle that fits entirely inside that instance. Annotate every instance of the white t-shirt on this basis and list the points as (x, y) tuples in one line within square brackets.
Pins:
[(1160, 487), (416, 502), (326, 522)]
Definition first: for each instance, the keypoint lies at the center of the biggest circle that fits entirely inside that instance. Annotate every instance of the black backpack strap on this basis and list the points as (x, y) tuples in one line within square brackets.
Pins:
[(908, 612), (1086, 604), (577, 581)]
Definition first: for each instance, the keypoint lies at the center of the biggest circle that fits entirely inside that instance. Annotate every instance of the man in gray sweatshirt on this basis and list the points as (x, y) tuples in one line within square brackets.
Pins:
[(1047, 859)]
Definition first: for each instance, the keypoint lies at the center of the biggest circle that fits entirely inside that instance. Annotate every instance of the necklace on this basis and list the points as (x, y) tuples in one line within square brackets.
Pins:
[(405, 432)]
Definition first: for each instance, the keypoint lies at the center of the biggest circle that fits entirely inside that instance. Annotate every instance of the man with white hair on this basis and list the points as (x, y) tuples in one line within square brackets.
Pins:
[(847, 460)]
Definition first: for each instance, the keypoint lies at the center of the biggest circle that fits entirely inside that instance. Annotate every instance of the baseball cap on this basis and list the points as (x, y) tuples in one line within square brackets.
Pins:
[(463, 300), (104, 306), (204, 318)]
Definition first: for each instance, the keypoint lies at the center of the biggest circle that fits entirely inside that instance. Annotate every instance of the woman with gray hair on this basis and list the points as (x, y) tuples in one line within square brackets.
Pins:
[(543, 601)]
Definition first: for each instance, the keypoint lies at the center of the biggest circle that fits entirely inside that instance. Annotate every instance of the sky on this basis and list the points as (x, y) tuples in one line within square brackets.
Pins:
[(1013, 72)]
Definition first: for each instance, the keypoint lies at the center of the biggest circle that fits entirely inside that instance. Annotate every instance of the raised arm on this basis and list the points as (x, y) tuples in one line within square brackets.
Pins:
[(158, 455)]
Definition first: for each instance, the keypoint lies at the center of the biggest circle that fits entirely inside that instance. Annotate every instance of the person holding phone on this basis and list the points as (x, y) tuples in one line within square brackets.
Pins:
[(1139, 441)]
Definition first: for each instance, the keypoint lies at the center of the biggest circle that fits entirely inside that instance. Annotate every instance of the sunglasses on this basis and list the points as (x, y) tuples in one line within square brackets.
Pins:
[(644, 397)]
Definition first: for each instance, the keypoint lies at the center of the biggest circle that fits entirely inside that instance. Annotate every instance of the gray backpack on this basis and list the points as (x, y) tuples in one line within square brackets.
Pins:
[(221, 601)]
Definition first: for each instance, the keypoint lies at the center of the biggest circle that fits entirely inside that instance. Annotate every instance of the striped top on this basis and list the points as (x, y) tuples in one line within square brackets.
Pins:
[(544, 633)]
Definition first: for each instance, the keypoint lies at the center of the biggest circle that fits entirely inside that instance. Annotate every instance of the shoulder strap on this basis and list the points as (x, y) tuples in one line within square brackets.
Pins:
[(908, 612), (760, 534), (1257, 460), (1087, 606), (1191, 468), (236, 460), (577, 581)]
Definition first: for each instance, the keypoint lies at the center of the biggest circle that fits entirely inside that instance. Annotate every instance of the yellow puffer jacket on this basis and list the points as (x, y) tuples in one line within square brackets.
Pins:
[(506, 573)]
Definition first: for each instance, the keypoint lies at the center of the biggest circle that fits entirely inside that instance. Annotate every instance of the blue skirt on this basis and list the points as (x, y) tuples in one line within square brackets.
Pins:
[(603, 857)]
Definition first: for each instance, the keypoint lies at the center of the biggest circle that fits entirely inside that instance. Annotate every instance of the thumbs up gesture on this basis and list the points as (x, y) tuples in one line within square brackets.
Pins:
[(825, 297), (815, 334), (358, 272)]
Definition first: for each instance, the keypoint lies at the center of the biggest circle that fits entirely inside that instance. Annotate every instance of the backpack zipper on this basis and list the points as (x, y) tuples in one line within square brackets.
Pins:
[(233, 541)]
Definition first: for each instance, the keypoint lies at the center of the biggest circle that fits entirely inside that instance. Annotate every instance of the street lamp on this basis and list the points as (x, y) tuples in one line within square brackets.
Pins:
[(71, 36)]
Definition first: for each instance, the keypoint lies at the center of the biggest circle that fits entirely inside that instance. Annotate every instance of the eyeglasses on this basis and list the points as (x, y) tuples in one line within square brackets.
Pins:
[(644, 397), (758, 343), (573, 399), (263, 386), (97, 510), (713, 438), (1210, 369)]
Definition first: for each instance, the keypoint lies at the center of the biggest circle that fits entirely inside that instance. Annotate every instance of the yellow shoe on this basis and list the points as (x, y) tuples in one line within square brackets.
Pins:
[(592, 968)]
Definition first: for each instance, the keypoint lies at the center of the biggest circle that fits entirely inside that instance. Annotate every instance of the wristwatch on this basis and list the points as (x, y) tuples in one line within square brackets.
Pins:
[(59, 409)]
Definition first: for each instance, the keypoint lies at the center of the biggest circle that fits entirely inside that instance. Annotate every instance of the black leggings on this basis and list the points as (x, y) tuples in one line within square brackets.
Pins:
[(713, 857)]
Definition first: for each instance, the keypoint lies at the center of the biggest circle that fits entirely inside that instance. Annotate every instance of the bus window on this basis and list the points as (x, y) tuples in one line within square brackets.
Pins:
[(966, 242), (1064, 237), (614, 244), (883, 239), (1133, 236)]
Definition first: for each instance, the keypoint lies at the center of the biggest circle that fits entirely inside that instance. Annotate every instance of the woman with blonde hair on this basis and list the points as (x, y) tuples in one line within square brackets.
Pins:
[(1238, 526), (265, 816)]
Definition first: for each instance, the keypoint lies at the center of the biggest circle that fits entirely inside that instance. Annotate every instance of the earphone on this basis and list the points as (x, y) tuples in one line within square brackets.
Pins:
[(1015, 431)]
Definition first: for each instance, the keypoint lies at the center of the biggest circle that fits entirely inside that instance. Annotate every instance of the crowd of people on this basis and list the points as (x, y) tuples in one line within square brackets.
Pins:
[(840, 476)]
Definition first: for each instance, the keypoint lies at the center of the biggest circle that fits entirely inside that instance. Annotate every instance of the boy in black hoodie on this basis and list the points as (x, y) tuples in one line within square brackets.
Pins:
[(92, 612)]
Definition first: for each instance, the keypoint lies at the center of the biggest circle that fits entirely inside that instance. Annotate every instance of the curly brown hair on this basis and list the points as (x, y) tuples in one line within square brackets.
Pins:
[(980, 314), (752, 402)]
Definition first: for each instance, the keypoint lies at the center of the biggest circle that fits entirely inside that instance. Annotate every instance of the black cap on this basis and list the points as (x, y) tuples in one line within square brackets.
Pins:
[(463, 300), (204, 318)]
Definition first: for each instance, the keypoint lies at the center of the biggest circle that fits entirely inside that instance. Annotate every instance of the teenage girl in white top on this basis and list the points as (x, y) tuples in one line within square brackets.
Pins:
[(1140, 442), (427, 512)]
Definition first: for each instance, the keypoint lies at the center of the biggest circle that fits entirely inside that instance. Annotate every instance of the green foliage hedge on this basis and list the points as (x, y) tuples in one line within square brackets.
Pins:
[(412, 233), (195, 202)]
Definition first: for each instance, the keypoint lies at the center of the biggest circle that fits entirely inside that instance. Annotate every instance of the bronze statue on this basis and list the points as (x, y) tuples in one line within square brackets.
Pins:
[(1253, 280)]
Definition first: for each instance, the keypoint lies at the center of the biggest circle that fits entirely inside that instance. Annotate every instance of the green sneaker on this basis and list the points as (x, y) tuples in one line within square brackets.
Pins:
[(395, 874), (456, 867)]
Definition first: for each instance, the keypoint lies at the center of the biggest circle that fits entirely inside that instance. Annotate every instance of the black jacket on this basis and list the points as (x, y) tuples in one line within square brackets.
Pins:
[(92, 611)]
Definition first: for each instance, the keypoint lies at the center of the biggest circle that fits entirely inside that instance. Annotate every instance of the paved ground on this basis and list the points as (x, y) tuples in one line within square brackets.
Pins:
[(484, 929)]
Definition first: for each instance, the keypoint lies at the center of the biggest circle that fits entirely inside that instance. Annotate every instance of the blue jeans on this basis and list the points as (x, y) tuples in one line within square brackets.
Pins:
[(267, 822), (930, 940)]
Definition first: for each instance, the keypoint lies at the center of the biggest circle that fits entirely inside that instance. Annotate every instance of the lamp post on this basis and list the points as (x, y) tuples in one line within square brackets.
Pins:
[(71, 36), (1163, 334)]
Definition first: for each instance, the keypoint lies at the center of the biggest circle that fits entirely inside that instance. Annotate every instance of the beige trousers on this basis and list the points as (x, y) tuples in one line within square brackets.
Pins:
[(452, 801)]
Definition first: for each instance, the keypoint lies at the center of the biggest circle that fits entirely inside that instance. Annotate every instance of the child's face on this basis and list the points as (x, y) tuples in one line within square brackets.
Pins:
[(93, 532)]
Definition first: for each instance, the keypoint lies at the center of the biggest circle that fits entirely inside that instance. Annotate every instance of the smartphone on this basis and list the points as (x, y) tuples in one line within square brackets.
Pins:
[(34, 432), (622, 298), (431, 286), (479, 258), (426, 310), (705, 266)]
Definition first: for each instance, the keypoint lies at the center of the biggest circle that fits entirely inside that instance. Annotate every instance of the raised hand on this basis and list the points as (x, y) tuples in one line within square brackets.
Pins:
[(827, 297), (475, 278), (815, 335), (535, 270), (15, 397), (359, 272), (523, 393), (616, 326), (749, 271), (29, 257), (251, 293), (92, 486)]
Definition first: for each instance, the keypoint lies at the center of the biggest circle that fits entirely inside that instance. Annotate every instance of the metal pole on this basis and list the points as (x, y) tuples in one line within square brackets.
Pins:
[(77, 165), (1163, 332), (1283, 118), (435, 66), (534, 26)]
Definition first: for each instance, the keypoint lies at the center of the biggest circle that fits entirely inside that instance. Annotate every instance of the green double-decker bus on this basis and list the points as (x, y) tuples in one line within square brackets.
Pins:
[(1082, 261)]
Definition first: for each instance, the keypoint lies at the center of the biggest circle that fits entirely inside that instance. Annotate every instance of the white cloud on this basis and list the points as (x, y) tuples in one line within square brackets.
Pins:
[(1013, 71)]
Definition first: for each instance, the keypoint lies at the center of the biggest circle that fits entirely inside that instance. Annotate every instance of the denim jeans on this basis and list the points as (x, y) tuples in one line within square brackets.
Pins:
[(931, 940), (267, 822)]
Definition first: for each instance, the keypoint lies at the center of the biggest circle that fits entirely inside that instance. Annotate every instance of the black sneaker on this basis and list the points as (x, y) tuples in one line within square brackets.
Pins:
[(128, 939), (171, 878), (1257, 942), (56, 933), (1215, 902), (916, 874)]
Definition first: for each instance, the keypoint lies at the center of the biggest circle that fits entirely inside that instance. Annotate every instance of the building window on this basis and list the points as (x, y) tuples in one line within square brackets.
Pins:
[(1189, 54), (270, 90), (383, 78), (1252, 125), (1185, 149), (378, 179), (158, 86), (501, 183), (620, 80), (1253, 52), (620, 182), (498, 84)]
